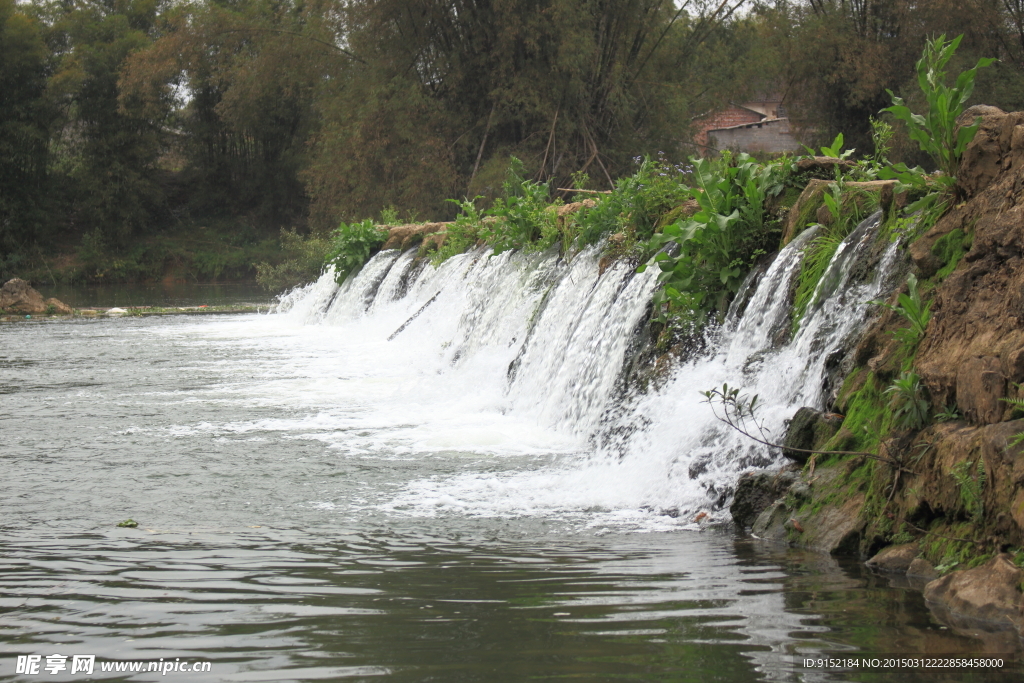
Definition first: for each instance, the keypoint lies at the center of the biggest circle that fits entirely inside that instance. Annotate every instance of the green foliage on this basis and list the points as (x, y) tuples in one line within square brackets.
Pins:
[(910, 407), (718, 244), (847, 210), (881, 138), (461, 235), (912, 309), (525, 218), (302, 260), (949, 413), (868, 418), (352, 245), (950, 248), (971, 487), (936, 132)]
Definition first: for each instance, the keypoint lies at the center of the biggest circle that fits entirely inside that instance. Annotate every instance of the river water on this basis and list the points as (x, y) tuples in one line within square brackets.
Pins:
[(316, 502)]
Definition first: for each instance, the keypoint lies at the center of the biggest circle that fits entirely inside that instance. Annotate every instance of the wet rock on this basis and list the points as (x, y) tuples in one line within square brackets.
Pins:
[(18, 296), (809, 203), (756, 491), (922, 569), (809, 429), (989, 593), (895, 559)]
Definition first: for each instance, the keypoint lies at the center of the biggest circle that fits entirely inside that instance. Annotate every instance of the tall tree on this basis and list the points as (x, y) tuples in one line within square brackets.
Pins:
[(24, 130)]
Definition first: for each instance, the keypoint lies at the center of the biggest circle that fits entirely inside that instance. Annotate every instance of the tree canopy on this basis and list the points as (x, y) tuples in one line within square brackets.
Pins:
[(124, 118)]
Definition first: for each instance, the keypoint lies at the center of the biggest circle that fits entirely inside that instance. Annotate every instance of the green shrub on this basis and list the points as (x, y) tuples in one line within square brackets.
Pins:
[(971, 487), (352, 245), (302, 261), (719, 243), (525, 218)]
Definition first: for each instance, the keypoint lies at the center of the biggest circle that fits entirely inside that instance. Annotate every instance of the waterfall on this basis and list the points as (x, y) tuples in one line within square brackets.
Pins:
[(551, 338)]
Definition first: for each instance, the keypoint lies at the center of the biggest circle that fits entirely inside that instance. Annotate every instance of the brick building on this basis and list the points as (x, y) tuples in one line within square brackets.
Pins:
[(760, 126)]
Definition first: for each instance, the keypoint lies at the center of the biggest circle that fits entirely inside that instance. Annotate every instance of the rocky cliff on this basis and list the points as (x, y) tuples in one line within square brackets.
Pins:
[(948, 496)]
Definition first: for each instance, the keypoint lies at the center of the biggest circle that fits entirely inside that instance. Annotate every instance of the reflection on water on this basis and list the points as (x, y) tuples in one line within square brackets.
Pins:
[(290, 605), (158, 294), (281, 476)]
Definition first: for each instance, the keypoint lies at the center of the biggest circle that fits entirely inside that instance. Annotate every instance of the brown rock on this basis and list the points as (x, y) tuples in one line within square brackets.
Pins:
[(896, 559), (980, 388), (58, 306), (573, 207), (406, 236), (922, 568), (983, 159), (989, 593), (18, 296)]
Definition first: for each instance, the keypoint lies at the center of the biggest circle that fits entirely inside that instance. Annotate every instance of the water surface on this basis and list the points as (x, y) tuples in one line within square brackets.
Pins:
[(315, 504)]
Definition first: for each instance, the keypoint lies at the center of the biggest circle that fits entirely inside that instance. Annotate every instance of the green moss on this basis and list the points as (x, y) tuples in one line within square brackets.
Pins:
[(950, 249), (867, 419)]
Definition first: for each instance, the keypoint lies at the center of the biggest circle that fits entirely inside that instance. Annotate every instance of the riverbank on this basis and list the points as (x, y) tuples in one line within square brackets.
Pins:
[(138, 311)]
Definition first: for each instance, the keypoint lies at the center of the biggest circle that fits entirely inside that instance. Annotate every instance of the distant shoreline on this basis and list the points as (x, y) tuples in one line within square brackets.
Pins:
[(142, 311)]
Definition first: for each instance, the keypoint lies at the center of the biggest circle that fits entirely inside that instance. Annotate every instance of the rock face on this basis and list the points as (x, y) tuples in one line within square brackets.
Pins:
[(973, 353), (989, 593), (18, 296)]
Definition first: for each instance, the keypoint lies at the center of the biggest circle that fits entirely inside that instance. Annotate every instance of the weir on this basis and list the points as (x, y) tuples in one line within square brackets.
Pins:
[(555, 335)]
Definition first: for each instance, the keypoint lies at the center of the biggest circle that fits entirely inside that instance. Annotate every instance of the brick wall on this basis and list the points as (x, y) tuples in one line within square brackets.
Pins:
[(733, 116), (767, 136)]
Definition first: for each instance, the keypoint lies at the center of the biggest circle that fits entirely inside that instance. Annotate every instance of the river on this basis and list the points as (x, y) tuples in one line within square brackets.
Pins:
[(317, 502)]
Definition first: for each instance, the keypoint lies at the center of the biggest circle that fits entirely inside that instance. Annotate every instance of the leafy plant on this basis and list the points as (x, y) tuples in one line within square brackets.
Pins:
[(908, 403), (835, 150), (352, 245), (935, 131), (949, 413), (971, 486), (918, 314), (524, 215), (463, 233), (705, 257)]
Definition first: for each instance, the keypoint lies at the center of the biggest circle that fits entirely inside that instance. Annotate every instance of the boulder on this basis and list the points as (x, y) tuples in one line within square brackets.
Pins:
[(57, 307), (756, 491), (921, 568), (808, 429), (18, 296), (808, 204), (989, 593), (895, 559)]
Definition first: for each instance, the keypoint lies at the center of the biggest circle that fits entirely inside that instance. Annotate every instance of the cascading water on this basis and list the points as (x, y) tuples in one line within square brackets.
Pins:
[(543, 341)]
